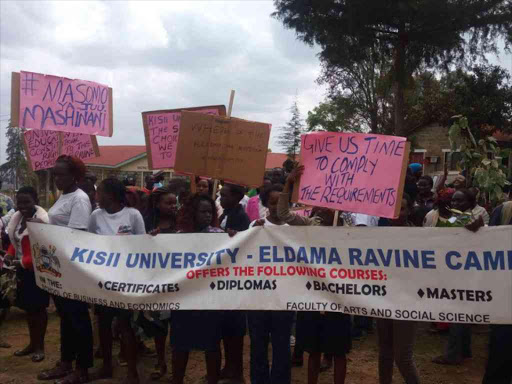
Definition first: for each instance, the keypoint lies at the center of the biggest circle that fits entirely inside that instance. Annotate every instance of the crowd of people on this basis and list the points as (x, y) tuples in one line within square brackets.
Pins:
[(115, 207)]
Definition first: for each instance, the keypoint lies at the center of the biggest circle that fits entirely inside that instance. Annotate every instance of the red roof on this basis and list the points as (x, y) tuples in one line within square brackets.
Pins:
[(275, 160), (500, 136), (114, 155)]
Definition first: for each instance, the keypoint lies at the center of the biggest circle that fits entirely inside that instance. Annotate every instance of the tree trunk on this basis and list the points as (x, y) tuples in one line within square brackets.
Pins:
[(399, 67)]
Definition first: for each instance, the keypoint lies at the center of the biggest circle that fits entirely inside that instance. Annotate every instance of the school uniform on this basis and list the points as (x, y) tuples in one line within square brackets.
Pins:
[(128, 221), (73, 210), (234, 323)]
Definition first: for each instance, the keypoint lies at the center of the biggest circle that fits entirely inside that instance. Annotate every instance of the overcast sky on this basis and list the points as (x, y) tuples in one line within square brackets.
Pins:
[(159, 55)]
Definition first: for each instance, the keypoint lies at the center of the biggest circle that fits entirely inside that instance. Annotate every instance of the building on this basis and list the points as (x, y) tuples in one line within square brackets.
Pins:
[(131, 160), (433, 149)]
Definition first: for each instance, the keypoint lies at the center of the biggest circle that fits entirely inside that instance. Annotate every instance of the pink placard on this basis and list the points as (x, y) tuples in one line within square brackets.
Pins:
[(66, 105), (162, 131), (353, 172), (79, 145), (42, 148), (306, 212)]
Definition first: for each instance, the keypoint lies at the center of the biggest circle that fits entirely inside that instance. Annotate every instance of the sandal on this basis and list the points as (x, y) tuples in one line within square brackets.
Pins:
[(158, 372), (444, 361), (38, 357), (25, 351), (74, 378), (58, 372), (3, 344)]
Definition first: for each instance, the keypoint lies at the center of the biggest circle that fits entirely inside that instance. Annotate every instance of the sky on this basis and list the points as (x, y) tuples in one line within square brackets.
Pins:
[(162, 55), (165, 55)]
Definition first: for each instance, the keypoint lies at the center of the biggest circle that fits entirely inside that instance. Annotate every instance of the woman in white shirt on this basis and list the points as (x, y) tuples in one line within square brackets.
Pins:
[(72, 210), (270, 326), (115, 218)]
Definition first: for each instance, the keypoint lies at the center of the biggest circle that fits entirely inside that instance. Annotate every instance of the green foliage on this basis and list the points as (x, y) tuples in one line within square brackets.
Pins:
[(479, 160), (289, 136), (405, 35), (16, 170)]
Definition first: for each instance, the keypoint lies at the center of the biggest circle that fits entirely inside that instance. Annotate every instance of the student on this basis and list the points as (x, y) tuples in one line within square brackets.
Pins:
[(274, 326), (323, 332), (30, 297), (115, 218), (234, 322), (396, 337), (499, 363), (255, 209), (71, 210), (204, 186), (478, 210), (459, 342), (162, 219), (196, 330), (425, 197)]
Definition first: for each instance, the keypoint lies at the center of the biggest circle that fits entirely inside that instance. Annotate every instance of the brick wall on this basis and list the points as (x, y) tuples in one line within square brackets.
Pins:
[(433, 138)]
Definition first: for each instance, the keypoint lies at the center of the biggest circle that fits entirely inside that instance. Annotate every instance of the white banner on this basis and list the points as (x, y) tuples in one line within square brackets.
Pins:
[(425, 274)]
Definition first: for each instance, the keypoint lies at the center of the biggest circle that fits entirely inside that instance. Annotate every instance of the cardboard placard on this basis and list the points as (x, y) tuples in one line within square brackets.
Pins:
[(229, 149), (44, 147), (54, 103), (41, 148), (162, 129), (353, 172), (79, 145)]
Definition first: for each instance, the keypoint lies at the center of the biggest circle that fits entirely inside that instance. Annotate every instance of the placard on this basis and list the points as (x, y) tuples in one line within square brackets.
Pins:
[(41, 148), (353, 172), (229, 149), (54, 103), (162, 129), (79, 145)]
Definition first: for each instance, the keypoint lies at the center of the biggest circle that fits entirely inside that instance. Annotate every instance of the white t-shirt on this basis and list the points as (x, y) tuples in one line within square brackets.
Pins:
[(128, 221), (71, 210), (366, 220), (267, 223)]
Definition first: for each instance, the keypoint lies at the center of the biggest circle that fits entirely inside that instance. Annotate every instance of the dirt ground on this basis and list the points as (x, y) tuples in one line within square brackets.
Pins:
[(362, 365)]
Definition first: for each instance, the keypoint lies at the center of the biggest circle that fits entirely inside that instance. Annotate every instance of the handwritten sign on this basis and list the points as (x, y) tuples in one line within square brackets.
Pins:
[(303, 211), (162, 129), (353, 172), (79, 145), (41, 148), (223, 148), (59, 104)]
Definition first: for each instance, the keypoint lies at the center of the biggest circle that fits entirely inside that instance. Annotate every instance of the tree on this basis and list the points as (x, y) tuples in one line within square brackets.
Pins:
[(15, 169), (409, 34), (483, 96), (289, 137), (479, 161)]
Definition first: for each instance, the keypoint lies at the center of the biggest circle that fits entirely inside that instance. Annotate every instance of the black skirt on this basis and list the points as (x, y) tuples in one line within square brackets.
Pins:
[(29, 296), (326, 333), (196, 330)]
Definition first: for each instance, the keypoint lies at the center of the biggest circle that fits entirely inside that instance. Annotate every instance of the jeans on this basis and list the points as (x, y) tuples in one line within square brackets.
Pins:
[(499, 364), (396, 343), (274, 326)]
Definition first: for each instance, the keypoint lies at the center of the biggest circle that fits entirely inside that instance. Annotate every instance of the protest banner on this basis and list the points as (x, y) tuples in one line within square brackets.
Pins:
[(79, 145), (303, 211), (353, 172), (162, 130), (229, 149), (60, 104), (435, 274), (42, 148)]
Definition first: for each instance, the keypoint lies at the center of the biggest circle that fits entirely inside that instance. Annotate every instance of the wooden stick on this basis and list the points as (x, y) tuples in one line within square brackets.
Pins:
[(214, 192), (193, 186), (336, 215), (231, 99)]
